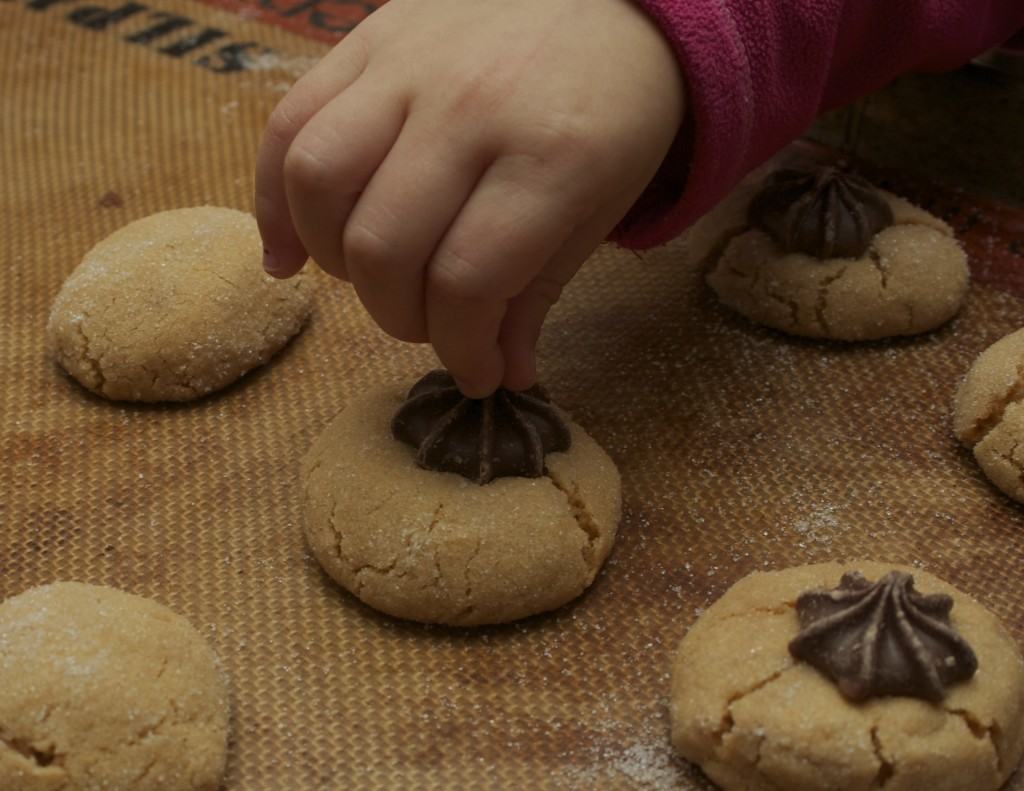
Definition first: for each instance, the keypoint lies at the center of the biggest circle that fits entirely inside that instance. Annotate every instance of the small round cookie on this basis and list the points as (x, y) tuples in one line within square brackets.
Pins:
[(794, 274), (440, 548), (174, 306), (755, 718), (988, 413), (102, 689)]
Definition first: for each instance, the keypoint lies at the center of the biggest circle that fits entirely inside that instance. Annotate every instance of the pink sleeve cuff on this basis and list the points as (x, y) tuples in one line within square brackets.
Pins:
[(759, 71)]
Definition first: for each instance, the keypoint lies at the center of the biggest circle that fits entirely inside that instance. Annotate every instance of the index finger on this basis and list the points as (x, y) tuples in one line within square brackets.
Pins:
[(283, 251)]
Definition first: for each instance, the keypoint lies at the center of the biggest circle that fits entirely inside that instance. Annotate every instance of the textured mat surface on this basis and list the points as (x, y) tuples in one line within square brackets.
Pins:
[(740, 449)]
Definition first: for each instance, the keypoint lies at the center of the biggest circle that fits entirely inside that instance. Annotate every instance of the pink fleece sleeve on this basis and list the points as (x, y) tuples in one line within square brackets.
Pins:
[(759, 71)]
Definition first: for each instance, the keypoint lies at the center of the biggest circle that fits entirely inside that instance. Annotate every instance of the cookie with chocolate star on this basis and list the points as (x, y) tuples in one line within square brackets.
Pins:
[(434, 507), (824, 254), (848, 676)]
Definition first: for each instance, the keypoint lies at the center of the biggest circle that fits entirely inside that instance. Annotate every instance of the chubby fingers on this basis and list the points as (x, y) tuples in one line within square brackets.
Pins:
[(509, 229), (331, 161), (401, 217), (284, 251)]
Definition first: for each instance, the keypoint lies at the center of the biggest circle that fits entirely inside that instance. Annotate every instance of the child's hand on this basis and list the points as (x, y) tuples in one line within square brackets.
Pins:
[(457, 160)]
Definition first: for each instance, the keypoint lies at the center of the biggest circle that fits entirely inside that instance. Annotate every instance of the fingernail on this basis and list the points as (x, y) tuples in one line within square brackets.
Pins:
[(270, 264), (469, 390)]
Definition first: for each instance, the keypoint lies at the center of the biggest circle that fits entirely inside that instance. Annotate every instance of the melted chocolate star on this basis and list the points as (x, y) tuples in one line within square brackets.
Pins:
[(824, 213), (882, 638), (506, 434)]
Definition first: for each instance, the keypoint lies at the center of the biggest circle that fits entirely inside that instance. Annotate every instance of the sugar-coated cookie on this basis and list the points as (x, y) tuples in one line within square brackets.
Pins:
[(461, 548), (100, 689), (825, 255), (988, 413), (757, 718), (174, 306)]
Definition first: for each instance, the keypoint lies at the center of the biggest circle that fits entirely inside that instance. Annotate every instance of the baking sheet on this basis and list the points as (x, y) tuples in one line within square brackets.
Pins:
[(740, 449)]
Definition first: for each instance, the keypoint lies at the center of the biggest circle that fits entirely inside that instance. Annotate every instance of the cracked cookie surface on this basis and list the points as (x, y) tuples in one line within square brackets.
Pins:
[(988, 413), (438, 548), (103, 689), (174, 306), (913, 278), (756, 719)]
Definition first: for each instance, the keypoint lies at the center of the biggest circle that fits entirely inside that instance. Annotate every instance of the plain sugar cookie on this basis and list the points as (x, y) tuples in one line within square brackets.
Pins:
[(988, 413), (441, 548), (174, 306), (831, 257), (756, 718), (100, 689)]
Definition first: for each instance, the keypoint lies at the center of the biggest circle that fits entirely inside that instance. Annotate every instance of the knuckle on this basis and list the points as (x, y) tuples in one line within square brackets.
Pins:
[(306, 166), (566, 141), (358, 42), (454, 276), (477, 95), (285, 120), (365, 250)]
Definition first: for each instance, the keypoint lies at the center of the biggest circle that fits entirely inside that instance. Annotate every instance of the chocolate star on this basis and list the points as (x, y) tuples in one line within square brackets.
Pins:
[(506, 434), (824, 213), (882, 638)]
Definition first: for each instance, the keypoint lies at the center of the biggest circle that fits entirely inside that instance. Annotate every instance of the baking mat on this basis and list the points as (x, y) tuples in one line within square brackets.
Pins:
[(740, 449)]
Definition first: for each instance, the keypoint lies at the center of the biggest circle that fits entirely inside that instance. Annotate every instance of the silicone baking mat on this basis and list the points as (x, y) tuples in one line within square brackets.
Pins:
[(740, 449)]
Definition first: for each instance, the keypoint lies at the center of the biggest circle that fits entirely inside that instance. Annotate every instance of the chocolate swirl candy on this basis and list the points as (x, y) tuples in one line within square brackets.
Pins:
[(824, 213), (506, 434), (882, 638)]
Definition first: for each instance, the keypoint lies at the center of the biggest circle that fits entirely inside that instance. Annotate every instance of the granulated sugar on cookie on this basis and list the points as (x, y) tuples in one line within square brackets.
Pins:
[(988, 413), (100, 689), (174, 306)]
